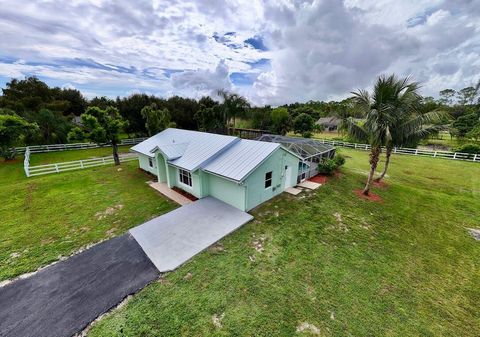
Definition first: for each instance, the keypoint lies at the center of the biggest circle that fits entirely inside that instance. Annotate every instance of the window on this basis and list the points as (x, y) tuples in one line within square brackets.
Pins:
[(185, 177), (268, 179), (150, 162)]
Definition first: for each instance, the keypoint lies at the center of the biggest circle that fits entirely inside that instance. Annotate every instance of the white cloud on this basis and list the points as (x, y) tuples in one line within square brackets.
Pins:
[(318, 49)]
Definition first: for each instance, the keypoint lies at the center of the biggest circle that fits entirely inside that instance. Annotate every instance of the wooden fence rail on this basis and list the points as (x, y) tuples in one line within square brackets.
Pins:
[(74, 146), (415, 152), (37, 170)]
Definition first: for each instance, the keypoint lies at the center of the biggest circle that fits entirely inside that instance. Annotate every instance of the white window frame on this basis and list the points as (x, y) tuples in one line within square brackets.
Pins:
[(185, 177), (268, 180)]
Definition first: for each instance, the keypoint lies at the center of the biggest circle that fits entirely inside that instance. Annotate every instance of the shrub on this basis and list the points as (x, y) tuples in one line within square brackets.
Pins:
[(469, 148), (328, 166), (339, 160)]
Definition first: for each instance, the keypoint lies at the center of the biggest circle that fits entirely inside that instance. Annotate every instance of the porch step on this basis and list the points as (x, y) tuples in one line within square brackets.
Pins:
[(169, 193)]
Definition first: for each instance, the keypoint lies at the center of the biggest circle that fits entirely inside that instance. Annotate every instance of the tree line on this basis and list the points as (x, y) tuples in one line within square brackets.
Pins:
[(32, 113)]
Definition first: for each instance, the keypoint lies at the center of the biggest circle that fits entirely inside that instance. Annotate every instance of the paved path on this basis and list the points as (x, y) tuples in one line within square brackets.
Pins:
[(174, 238), (62, 299)]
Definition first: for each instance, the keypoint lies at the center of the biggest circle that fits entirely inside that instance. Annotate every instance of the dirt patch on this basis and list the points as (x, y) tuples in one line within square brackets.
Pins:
[(475, 233), (217, 320), (188, 276), (371, 196), (434, 178), (109, 211), (408, 172), (380, 184), (307, 327), (216, 248), (258, 244), (340, 223), (29, 197)]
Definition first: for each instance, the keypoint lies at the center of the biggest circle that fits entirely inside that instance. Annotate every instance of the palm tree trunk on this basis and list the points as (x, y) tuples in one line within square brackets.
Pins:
[(116, 159), (387, 161), (374, 157)]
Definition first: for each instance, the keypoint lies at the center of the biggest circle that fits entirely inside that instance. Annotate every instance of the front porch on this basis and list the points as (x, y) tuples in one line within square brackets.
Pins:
[(170, 193)]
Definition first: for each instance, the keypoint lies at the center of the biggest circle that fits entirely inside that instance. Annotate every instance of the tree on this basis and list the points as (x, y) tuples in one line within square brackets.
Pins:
[(210, 118), (303, 124), (156, 120), (53, 126), (12, 128), (474, 132), (103, 126), (446, 96), (390, 99), (464, 124), (280, 121), (467, 95), (233, 105)]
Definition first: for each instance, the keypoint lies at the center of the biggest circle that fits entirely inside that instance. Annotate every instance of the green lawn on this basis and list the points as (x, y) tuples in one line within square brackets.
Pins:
[(62, 156), (349, 267), (42, 218)]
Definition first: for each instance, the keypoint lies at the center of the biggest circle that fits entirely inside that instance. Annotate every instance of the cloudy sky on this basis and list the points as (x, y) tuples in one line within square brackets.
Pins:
[(273, 52)]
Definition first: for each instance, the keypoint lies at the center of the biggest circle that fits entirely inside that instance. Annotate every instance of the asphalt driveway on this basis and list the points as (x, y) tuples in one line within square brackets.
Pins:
[(64, 298)]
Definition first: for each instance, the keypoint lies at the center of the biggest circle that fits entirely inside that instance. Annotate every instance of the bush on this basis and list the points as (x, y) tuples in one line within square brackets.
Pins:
[(328, 166), (469, 148), (339, 160)]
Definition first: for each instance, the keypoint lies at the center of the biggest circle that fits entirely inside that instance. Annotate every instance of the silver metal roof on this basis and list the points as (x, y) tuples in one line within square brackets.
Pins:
[(303, 147), (240, 159), (187, 149)]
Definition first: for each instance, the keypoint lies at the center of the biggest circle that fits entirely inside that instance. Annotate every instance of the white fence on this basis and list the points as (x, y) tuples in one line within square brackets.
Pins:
[(71, 165), (414, 152), (75, 146), (37, 170)]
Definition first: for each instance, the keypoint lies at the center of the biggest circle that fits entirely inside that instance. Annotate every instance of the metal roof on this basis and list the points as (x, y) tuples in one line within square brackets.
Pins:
[(302, 147), (240, 159), (187, 149)]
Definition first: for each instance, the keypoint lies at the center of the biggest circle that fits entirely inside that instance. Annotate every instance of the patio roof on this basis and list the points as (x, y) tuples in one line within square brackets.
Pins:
[(303, 147)]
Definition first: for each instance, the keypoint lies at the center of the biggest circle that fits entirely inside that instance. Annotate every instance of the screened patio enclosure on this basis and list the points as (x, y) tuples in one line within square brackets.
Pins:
[(310, 151)]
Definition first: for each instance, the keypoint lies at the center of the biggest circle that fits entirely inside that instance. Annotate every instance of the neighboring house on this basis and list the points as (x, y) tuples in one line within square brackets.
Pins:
[(329, 123), (243, 173), (332, 123)]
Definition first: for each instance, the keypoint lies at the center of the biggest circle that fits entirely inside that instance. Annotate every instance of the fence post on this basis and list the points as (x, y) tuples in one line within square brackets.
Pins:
[(434, 154), (455, 155), (475, 157), (416, 151), (395, 149), (81, 164), (56, 168)]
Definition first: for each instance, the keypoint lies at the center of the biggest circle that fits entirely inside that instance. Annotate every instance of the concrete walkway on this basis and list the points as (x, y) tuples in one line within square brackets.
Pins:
[(64, 298), (172, 239), (169, 193)]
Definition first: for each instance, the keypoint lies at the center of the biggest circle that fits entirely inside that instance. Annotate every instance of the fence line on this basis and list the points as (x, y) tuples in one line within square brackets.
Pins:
[(414, 152), (74, 146), (37, 170)]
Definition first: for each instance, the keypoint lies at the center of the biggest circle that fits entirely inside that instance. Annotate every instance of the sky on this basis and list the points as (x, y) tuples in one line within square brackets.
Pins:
[(272, 52)]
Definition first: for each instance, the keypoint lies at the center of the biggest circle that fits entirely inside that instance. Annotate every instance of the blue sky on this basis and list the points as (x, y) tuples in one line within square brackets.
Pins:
[(273, 52)]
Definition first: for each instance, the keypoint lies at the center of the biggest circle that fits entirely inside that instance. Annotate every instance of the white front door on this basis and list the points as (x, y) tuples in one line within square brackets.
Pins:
[(288, 177)]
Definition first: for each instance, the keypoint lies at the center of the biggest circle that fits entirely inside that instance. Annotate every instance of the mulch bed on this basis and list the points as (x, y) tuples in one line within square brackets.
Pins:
[(319, 178), (380, 184), (185, 194), (370, 197)]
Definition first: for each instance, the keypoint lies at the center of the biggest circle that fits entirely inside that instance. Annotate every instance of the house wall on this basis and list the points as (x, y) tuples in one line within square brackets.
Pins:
[(256, 192), (226, 190), (144, 165), (161, 169)]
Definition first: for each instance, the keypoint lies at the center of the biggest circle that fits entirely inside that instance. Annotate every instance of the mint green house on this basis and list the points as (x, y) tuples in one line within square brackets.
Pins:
[(242, 173)]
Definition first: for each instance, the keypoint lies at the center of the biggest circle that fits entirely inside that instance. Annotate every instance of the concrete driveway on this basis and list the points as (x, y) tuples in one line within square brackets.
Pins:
[(64, 298), (172, 239)]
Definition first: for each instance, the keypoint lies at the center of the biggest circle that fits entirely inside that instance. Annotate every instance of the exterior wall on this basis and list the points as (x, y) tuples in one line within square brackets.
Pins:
[(227, 191), (161, 169), (276, 163), (144, 165)]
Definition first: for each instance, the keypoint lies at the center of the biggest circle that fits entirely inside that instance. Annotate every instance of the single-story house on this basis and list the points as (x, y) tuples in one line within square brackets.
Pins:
[(240, 172), (332, 123)]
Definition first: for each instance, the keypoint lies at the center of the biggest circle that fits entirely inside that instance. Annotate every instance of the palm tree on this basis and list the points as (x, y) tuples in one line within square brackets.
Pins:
[(233, 105), (408, 130), (391, 99)]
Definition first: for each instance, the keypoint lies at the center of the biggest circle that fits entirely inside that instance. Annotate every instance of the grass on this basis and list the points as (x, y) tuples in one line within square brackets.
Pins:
[(350, 267), (62, 156), (43, 218)]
